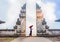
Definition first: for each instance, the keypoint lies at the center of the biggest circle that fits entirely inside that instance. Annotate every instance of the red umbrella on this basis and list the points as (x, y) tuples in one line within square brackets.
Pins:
[(31, 26)]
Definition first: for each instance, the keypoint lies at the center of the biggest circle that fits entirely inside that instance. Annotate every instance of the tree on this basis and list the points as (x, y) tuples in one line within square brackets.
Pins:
[(1, 22), (58, 20)]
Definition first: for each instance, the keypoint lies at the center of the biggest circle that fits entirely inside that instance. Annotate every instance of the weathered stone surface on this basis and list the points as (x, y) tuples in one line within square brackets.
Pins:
[(32, 39)]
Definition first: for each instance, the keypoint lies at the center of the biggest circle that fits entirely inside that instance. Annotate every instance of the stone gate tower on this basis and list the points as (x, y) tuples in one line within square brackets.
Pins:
[(40, 21)]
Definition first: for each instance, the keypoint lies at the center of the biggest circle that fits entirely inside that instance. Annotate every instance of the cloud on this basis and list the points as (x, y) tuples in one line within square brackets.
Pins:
[(48, 9), (15, 7), (12, 13)]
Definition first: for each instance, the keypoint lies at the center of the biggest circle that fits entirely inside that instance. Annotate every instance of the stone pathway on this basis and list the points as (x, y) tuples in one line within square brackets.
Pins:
[(31, 39)]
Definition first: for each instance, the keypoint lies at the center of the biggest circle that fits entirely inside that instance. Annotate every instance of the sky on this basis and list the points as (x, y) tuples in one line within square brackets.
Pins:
[(56, 11), (57, 8), (10, 10), (31, 17)]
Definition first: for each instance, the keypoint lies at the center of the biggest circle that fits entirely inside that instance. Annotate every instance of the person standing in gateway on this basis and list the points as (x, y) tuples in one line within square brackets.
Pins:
[(30, 30)]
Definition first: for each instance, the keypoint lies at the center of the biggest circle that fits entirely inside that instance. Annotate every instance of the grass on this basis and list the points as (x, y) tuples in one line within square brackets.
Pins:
[(6, 39)]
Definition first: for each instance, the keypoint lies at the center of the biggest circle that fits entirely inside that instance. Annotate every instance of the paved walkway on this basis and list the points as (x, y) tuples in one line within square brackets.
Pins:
[(31, 39)]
